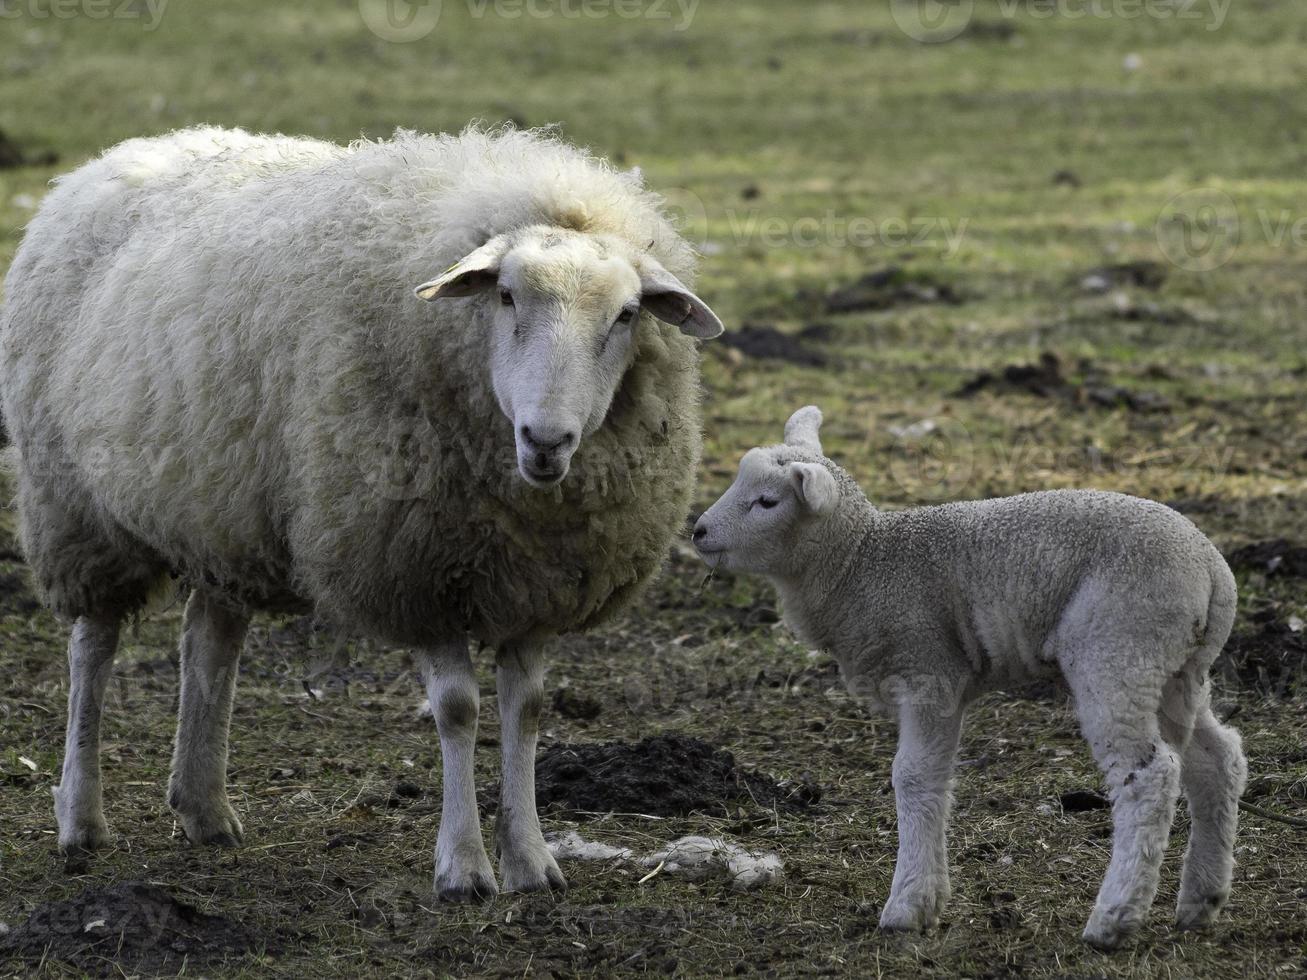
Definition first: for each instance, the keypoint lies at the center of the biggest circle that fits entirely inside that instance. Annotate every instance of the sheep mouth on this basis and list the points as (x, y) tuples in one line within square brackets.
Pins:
[(542, 477), (711, 556)]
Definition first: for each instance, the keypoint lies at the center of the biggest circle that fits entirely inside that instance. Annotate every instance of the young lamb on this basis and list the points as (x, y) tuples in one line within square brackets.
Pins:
[(214, 366), (926, 609)]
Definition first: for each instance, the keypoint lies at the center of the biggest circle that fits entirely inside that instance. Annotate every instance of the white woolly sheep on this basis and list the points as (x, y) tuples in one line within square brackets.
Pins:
[(214, 366), (926, 609)]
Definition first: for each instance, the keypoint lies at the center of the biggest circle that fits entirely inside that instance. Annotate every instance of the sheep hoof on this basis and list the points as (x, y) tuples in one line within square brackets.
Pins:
[(466, 887), (535, 873), (217, 828), (1198, 913)]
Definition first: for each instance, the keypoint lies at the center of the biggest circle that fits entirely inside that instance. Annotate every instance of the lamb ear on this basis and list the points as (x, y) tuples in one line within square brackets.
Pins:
[(475, 271), (801, 429), (666, 297), (815, 487)]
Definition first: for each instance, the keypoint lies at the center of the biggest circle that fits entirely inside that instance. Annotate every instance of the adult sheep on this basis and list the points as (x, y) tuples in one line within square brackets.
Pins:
[(214, 367)]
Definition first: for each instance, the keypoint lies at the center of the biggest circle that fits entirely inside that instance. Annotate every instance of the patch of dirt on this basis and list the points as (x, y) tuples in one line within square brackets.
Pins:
[(1276, 557), (1083, 800), (129, 927), (767, 343), (662, 776), (580, 707), (890, 287), (1047, 380), (1121, 275), (12, 155), (1269, 656)]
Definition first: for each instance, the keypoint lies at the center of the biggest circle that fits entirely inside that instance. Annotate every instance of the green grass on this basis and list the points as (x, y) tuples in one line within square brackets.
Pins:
[(776, 128)]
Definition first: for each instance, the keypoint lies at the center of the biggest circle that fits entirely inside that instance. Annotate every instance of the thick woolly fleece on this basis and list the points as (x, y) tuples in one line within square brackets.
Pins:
[(926, 609), (213, 365)]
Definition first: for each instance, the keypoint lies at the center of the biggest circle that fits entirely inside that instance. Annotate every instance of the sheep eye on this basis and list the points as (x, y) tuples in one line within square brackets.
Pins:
[(766, 503), (505, 297), (627, 315)]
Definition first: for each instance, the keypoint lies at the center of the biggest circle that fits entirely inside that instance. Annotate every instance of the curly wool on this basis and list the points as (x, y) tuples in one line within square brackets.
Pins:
[(212, 365)]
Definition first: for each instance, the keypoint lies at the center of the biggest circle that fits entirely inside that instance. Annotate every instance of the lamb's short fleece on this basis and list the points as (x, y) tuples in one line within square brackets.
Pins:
[(926, 609)]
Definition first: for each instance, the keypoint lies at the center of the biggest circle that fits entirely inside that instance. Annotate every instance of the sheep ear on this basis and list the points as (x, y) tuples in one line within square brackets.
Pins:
[(801, 429), (663, 295), (815, 487), (474, 272)]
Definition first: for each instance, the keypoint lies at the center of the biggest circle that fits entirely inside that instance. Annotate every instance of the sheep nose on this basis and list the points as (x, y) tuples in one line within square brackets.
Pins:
[(545, 440), (700, 532)]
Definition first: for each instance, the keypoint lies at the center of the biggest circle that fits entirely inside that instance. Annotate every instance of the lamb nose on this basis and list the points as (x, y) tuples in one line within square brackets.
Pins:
[(700, 532)]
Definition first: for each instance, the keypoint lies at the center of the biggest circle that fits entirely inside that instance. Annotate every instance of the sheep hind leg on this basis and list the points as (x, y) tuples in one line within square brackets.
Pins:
[(525, 863), (213, 634), (79, 803), (1119, 718), (463, 872), (1214, 773)]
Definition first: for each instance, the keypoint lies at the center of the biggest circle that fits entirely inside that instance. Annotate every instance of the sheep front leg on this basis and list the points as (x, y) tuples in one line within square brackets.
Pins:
[(923, 769), (78, 801), (463, 872), (213, 634), (524, 861)]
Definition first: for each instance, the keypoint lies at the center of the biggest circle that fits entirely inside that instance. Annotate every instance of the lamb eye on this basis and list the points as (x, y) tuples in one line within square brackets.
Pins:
[(505, 297), (627, 316), (766, 503)]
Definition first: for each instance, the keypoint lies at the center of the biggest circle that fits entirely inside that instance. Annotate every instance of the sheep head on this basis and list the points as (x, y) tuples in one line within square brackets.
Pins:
[(777, 493), (566, 308)]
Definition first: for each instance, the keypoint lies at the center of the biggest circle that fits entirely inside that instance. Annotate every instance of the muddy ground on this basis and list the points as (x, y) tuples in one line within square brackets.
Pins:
[(711, 721)]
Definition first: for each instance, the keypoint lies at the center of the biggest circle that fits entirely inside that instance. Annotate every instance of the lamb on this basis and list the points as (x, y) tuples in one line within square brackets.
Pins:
[(214, 367), (925, 609)]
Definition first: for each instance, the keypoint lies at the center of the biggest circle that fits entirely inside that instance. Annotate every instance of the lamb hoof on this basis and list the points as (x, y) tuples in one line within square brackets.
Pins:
[(466, 887), (537, 872), (1198, 913), (80, 840), (910, 915), (1108, 930)]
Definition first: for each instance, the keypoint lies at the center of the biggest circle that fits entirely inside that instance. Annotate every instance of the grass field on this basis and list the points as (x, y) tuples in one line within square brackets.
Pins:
[(884, 221)]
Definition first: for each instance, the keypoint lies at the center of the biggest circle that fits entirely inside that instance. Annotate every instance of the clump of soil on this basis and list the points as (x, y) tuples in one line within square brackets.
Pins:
[(1143, 275), (768, 343), (130, 927), (1047, 380), (1083, 800), (890, 287), (12, 155), (1276, 557), (1269, 656), (663, 776), (573, 704)]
